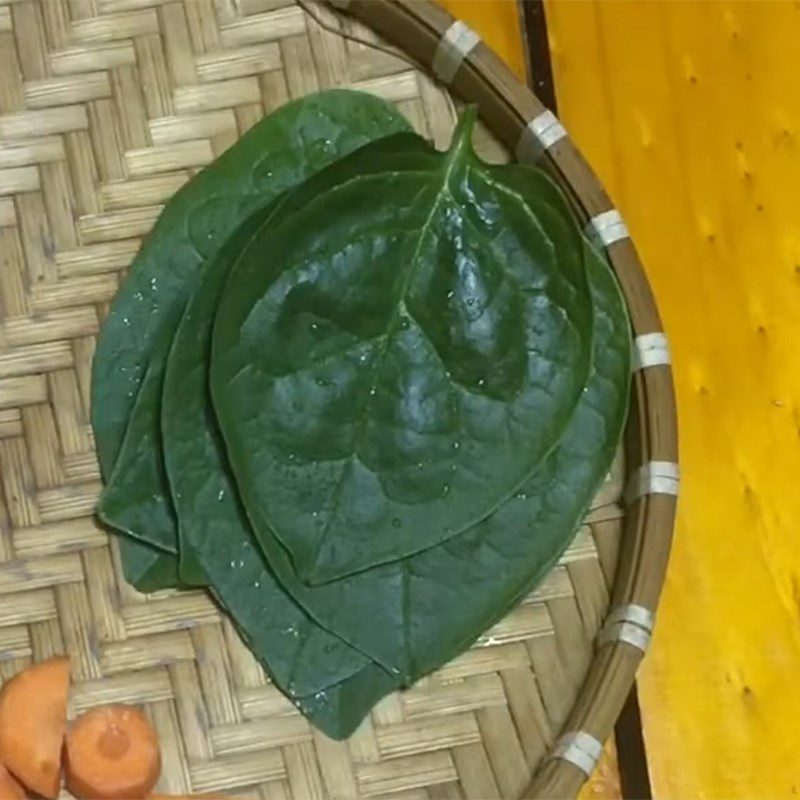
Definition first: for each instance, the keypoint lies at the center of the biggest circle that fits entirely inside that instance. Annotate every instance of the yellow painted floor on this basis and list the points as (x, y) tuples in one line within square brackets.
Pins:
[(690, 114)]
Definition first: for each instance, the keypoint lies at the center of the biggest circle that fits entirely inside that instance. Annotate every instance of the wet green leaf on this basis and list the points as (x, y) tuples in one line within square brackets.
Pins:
[(396, 355)]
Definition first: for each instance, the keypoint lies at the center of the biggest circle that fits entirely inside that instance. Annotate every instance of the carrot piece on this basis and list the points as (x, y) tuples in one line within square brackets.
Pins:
[(112, 754), (10, 789), (33, 718)]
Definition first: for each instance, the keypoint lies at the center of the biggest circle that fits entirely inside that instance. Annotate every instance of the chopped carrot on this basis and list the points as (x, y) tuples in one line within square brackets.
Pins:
[(112, 754), (9, 788), (33, 718)]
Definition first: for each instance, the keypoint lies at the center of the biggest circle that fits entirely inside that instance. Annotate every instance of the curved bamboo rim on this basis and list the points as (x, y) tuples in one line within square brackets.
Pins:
[(507, 106)]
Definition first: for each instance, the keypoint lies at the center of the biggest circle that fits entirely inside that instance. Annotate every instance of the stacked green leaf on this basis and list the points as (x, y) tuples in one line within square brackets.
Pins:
[(372, 404)]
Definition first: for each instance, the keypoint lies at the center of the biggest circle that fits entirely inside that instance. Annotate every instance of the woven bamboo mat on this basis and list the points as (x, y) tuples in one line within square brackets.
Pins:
[(106, 108)]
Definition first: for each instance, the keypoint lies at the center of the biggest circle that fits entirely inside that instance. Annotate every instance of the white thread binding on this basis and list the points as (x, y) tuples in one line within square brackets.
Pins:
[(608, 227), (625, 632), (655, 477), (456, 44), (579, 748), (540, 134), (631, 612), (650, 350), (630, 623)]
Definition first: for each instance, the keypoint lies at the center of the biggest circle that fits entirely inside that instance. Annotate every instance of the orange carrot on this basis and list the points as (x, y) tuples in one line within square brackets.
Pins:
[(33, 718), (112, 754), (9, 788)]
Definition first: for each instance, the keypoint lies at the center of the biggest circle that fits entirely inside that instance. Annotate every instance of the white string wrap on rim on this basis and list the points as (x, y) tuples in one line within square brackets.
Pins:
[(608, 227), (539, 135), (650, 350), (457, 43), (579, 748), (630, 623), (655, 477)]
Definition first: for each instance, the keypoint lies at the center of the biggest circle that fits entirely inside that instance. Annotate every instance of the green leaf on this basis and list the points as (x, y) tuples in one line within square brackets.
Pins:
[(284, 149), (338, 710), (132, 500), (301, 656), (394, 357), (146, 568), (415, 614)]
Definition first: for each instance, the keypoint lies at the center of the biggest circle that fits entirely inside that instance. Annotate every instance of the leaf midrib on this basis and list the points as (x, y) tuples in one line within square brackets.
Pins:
[(450, 164)]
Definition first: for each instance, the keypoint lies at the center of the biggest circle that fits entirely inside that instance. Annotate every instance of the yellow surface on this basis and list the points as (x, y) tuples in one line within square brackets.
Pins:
[(690, 114)]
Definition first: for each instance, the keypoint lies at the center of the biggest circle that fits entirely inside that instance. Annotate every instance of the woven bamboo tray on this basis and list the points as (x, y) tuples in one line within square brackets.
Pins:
[(106, 108)]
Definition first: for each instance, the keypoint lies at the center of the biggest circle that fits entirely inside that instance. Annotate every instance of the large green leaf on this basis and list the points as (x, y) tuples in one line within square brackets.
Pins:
[(281, 151), (432, 605), (394, 358)]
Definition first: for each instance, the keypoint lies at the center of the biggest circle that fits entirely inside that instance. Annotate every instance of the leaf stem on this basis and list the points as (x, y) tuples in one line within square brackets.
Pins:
[(462, 136)]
